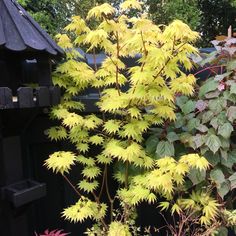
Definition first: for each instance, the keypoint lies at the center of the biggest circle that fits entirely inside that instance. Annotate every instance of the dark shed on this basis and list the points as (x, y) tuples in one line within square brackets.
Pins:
[(24, 46), (26, 56)]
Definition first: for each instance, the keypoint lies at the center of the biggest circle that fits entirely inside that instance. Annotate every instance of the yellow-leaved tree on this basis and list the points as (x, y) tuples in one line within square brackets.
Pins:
[(132, 99)]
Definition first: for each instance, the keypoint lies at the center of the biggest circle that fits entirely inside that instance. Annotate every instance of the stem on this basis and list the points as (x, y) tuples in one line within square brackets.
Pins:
[(94, 60), (208, 68), (126, 174), (98, 202), (168, 60), (103, 182), (111, 210), (111, 200), (117, 68), (72, 186), (107, 188), (144, 46)]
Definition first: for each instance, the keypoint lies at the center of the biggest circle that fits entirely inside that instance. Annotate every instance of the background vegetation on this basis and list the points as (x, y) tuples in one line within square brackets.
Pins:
[(209, 17)]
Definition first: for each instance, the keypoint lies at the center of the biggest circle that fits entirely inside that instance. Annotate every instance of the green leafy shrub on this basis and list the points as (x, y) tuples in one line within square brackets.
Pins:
[(205, 124), (125, 116)]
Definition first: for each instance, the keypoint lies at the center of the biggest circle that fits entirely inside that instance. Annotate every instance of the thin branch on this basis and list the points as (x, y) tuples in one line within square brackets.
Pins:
[(168, 60), (117, 68), (72, 186), (103, 182), (126, 174), (107, 188), (98, 202), (208, 68)]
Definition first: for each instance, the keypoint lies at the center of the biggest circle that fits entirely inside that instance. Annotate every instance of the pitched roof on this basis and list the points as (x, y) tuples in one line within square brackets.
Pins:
[(19, 31)]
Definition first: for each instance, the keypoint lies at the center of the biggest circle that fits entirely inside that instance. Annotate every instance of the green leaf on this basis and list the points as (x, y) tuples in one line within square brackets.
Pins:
[(209, 85), (223, 189), (188, 107), (233, 89), (214, 123), (225, 130), (193, 124), (197, 176), (217, 176), (214, 159), (165, 148), (225, 143), (222, 76), (179, 122), (231, 113), (184, 137), (222, 231), (232, 180), (230, 161), (151, 144), (180, 101), (213, 142), (216, 105), (207, 116), (198, 140), (172, 137), (231, 65), (202, 128)]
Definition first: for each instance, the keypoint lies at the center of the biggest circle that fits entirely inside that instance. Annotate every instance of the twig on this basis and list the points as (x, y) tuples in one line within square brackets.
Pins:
[(72, 186)]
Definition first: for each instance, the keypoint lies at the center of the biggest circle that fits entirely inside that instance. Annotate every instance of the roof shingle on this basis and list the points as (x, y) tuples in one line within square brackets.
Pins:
[(19, 31)]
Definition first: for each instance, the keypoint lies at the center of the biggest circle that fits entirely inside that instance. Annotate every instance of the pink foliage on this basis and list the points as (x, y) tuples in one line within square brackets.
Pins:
[(55, 232)]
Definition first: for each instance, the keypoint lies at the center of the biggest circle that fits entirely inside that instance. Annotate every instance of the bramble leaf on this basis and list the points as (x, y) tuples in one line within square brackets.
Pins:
[(213, 142)]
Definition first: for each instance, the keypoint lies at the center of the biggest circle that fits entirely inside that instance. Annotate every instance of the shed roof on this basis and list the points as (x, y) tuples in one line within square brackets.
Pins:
[(20, 33)]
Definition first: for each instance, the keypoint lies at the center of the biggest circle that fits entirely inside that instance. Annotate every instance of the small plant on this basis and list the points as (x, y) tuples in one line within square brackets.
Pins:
[(55, 232)]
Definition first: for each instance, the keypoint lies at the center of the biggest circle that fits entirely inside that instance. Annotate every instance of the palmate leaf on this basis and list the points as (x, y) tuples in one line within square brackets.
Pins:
[(130, 130), (59, 112), (91, 172), (118, 228), (112, 126), (104, 159), (82, 147), (164, 205), (164, 111), (99, 11), (88, 161), (131, 4), (96, 139), (84, 209), (160, 183), (72, 119), (132, 153), (88, 186), (77, 134), (114, 148), (195, 161), (73, 105), (182, 85), (134, 112), (175, 208), (57, 133), (60, 161)]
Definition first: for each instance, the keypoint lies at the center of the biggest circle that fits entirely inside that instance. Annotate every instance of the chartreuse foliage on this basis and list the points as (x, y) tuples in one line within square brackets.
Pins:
[(126, 113)]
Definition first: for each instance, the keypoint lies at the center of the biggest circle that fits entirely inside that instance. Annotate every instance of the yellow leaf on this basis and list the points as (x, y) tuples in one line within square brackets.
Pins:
[(131, 4), (60, 161), (101, 11)]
